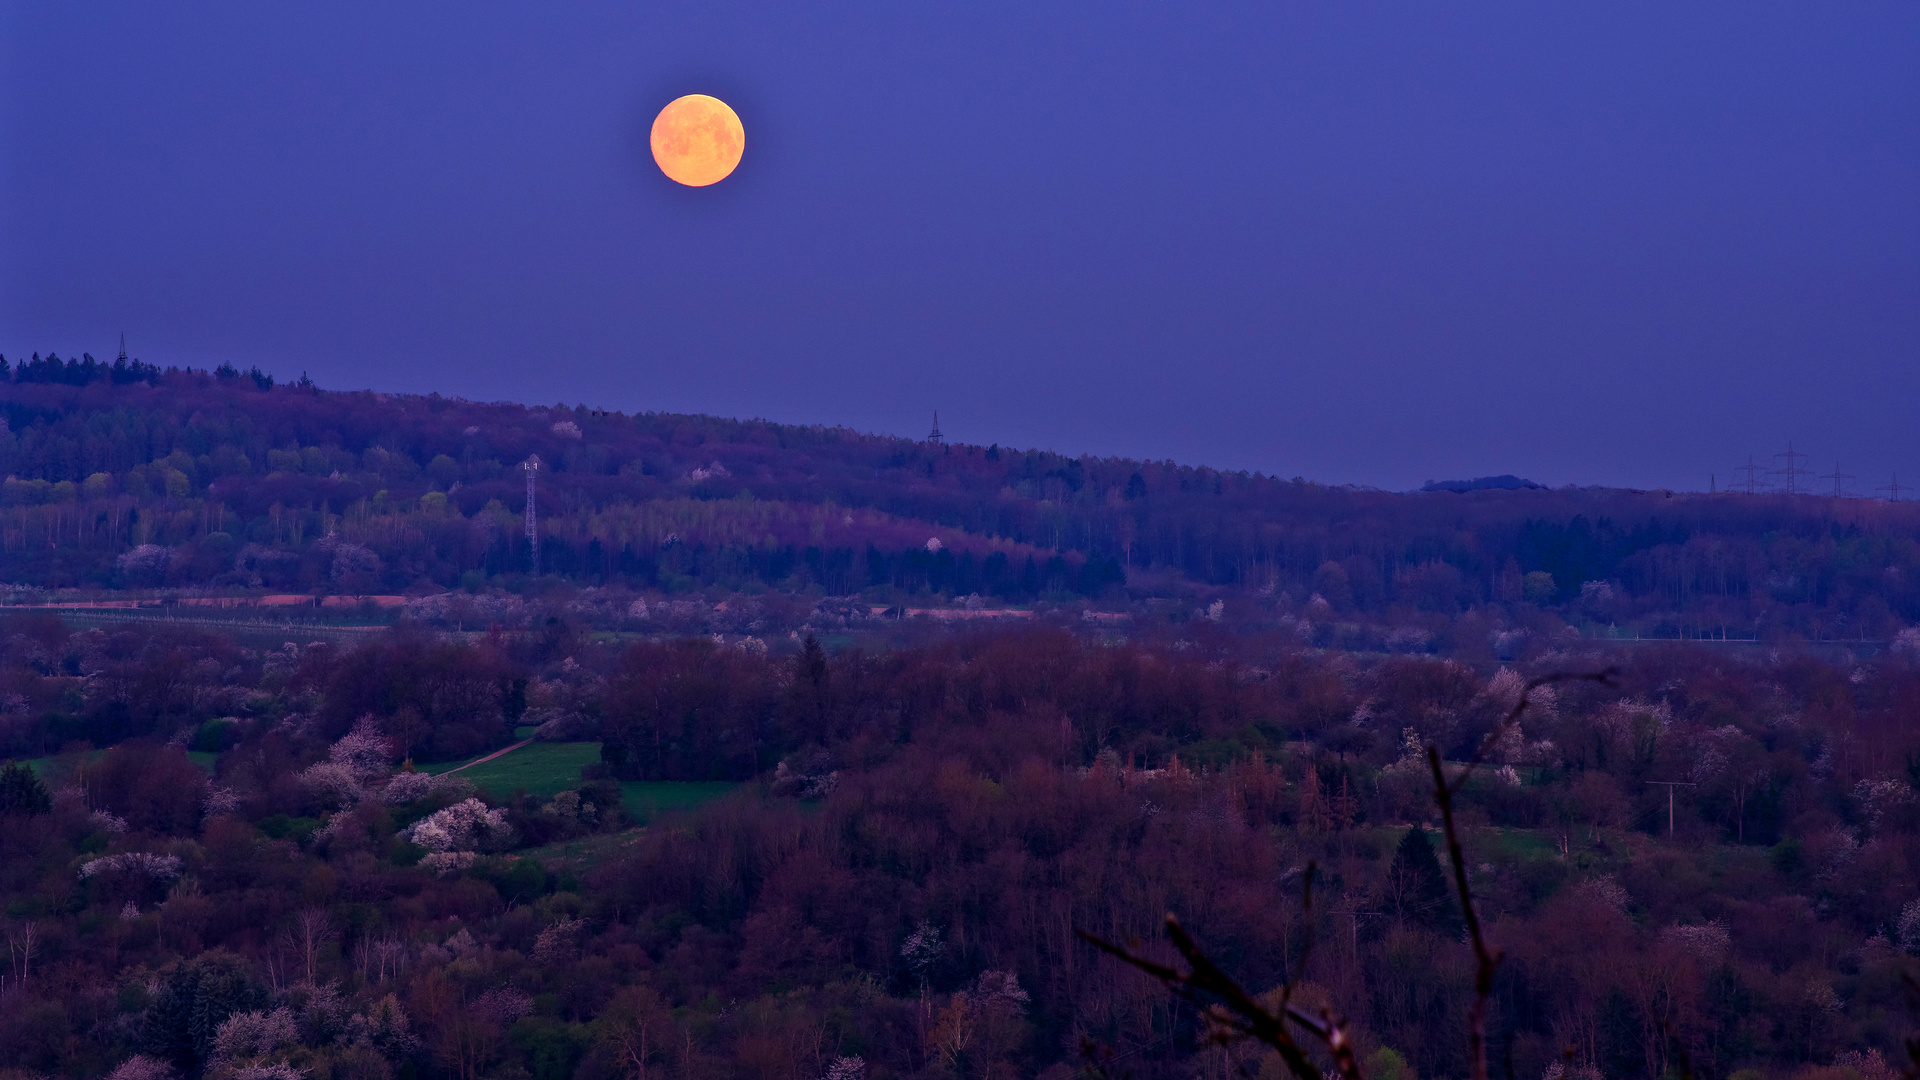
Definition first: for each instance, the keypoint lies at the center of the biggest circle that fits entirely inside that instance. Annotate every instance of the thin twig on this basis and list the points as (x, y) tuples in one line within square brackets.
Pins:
[(1306, 922), (1604, 677), (1486, 961), (1236, 1015), (1911, 1070)]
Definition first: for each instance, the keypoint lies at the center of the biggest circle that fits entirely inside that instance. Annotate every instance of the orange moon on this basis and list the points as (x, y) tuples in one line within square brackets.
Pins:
[(698, 140)]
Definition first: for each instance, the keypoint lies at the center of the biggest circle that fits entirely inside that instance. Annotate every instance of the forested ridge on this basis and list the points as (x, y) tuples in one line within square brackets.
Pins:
[(128, 476)]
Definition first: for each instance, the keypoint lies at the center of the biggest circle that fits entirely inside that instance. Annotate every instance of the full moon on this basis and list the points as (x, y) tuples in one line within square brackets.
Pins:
[(697, 140)]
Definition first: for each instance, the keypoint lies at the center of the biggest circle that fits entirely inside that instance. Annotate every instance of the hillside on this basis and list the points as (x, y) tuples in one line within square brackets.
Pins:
[(132, 477), (761, 832)]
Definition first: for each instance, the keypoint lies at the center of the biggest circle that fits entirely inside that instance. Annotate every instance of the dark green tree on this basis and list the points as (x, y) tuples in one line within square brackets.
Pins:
[(1416, 886), (811, 686), (21, 791), (195, 998)]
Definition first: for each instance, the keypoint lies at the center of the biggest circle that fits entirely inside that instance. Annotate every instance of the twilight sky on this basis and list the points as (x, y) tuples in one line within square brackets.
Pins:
[(1610, 242)]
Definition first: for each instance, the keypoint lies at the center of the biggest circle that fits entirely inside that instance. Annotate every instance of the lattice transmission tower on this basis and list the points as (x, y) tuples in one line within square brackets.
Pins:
[(1894, 489), (1791, 473), (1839, 481)]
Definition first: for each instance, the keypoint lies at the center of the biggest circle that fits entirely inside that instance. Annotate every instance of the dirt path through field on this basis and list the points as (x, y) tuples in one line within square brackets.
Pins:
[(489, 757)]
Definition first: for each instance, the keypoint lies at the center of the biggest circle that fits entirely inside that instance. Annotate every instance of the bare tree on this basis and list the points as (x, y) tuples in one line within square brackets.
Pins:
[(20, 947), (312, 929)]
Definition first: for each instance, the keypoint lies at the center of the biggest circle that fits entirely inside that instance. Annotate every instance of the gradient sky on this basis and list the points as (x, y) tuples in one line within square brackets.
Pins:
[(1623, 243)]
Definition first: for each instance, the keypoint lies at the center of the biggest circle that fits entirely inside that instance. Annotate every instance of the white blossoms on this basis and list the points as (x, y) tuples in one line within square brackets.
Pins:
[(106, 822), (408, 786), (1909, 928), (452, 836), (464, 826), (332, 784), (220, 801), (142, 1067), (361, 756), (250, 1036), (143, 863), (1708, 941), (847, 1068)]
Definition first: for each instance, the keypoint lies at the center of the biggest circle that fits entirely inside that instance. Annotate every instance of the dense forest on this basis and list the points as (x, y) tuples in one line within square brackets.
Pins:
[(254, 881), (809, 755), (124, 476)]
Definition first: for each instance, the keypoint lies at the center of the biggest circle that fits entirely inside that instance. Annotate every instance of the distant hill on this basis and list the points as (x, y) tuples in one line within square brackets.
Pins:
[(120, 477), (1503, 482)]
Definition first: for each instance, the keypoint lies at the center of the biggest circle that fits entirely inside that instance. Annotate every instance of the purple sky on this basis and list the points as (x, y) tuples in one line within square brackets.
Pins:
[(1613, 242)]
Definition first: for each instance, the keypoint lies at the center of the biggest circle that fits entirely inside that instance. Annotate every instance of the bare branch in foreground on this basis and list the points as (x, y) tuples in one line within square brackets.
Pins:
[(1236, 1015), (1911, 1070), (1486, 961)]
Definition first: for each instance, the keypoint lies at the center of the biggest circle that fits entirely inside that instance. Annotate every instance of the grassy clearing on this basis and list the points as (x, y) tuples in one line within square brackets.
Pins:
[(647, 799), (202, 758), (583, 853), (546, 769), (1503, 845), (542, 769)]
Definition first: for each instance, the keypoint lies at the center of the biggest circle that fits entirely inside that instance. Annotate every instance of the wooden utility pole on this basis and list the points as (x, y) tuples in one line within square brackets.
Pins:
[(1670, 785), (1356, 916)]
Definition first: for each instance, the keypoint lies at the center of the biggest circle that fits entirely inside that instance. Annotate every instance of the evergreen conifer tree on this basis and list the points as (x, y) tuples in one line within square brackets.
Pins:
[(22, 792), (1417, 886), (196, 997)]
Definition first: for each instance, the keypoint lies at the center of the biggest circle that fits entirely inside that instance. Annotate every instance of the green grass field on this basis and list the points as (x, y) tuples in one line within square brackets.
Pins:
[(647, 798), (546, 769), (201, 758), (542, 769)]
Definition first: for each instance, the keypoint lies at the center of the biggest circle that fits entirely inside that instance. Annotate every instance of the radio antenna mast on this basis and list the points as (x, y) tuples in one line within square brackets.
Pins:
[(532, 465)]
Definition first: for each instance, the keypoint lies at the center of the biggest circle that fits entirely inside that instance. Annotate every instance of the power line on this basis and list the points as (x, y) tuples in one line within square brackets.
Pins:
[(1894, 489), (1670, 785), (1838, 478), (1751, 485)]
